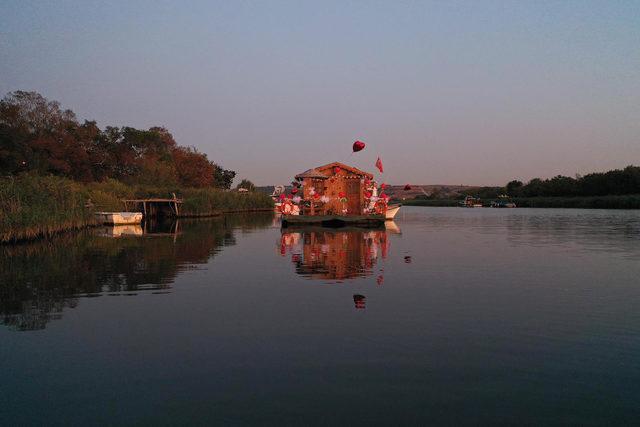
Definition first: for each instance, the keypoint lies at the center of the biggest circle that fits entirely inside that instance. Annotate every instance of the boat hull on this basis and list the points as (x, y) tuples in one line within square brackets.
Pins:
[(334, 221), (391, 212), (118, 218)]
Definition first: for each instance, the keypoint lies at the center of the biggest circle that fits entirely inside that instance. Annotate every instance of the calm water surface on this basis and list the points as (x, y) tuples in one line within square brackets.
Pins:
[(465, 316)]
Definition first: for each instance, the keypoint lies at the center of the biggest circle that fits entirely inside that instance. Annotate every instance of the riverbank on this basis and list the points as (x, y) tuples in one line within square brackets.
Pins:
[(33, 206), (594, 202)]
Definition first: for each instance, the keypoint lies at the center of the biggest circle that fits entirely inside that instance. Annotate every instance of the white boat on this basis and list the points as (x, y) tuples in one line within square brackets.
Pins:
[(115, 218), (392, 210)]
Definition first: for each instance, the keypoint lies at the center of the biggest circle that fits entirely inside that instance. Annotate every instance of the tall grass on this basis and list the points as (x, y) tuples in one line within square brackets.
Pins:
[(37, 206), (32, 206), (205, 202)]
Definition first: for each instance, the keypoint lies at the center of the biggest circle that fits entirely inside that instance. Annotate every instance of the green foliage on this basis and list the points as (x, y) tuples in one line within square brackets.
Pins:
[(592, 202), (32, 206), (37, 136), (614, 182), (39, 206), (247, 185), (204, 201)]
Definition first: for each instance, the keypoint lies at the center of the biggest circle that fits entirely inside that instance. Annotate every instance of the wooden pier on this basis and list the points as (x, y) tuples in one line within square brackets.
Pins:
[(154, 207)]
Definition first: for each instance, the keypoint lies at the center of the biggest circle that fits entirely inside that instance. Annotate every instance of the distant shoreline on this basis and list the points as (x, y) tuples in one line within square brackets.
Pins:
[(590, 202)]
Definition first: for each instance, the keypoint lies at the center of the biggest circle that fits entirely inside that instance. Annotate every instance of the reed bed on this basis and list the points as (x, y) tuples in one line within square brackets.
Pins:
[(33, 207), (36, 206)]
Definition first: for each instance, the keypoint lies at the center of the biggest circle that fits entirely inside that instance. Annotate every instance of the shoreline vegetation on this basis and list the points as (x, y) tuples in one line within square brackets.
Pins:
[(631, 201), (56, 171), (33, 206), (614, 189)]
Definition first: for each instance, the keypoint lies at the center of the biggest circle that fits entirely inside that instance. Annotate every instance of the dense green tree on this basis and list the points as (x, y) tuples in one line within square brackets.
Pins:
[(38, 136), (246, 184)]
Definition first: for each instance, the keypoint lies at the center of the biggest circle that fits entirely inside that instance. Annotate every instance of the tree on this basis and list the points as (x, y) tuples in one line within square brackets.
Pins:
[(222, 178), (514, 188), (193, 168), (247, 185)]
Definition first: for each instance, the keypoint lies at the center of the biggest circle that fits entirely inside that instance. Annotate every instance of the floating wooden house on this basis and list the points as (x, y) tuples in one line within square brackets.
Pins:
[(339, 188), (334, 195)]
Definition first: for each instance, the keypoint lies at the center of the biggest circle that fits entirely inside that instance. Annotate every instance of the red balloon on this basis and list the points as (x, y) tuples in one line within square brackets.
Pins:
[(383, 186), (358, 145), (282, 197), (407, 187)]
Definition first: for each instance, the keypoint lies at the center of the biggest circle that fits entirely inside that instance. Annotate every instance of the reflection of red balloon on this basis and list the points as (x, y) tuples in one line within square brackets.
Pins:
[(407, 187), (358, 145)]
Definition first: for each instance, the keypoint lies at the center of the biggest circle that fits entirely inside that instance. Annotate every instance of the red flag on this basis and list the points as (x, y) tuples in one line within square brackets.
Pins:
[(379, 165)]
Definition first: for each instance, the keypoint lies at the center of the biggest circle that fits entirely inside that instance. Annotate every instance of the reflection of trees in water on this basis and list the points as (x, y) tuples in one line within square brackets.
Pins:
[(327, 254), (39, 280)]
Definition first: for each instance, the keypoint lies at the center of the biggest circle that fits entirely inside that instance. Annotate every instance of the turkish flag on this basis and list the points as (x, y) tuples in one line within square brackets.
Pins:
[(379, 165)]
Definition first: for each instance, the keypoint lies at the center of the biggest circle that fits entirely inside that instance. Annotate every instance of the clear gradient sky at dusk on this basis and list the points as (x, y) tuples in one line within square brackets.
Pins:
[(476, 92)]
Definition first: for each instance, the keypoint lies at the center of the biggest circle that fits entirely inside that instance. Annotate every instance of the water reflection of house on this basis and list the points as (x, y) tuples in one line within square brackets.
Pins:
[(334, 254)]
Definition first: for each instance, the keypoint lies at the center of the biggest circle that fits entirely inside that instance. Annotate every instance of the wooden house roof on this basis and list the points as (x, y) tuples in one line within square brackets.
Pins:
[(322, 172), (311, 173)]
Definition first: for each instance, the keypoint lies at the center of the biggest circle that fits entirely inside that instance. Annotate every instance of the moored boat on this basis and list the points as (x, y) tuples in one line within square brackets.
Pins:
[(335, 195), (471, 202), (118, 218), (391, 212)]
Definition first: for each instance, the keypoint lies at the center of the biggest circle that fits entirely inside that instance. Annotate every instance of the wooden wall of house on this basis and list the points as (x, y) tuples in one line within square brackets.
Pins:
[(332, 187)]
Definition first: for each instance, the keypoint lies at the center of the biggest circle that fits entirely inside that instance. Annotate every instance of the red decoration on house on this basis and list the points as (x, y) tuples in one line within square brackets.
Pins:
[(341, 194), (358, 145), (407, 187), (282, 197), (336, 170)]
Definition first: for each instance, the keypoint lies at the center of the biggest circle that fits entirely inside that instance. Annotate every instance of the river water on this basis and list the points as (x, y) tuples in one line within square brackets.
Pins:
[(450, 316)]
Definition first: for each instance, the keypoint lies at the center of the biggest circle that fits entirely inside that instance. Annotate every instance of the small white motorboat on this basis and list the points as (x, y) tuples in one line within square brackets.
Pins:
[(392, 210), (118, 218)]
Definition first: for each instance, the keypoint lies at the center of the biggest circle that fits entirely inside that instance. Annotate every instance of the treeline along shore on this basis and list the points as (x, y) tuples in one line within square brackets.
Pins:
[(56, 172), (614, 189)]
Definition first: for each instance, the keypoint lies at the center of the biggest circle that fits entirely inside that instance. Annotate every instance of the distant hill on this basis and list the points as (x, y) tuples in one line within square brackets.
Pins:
[(398, 192)]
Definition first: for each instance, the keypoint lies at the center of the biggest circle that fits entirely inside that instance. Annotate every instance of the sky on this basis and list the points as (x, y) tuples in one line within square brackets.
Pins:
[(445, 92)]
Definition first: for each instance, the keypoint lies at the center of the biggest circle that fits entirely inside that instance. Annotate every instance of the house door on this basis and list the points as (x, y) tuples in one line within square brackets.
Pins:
[(353, 195)]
